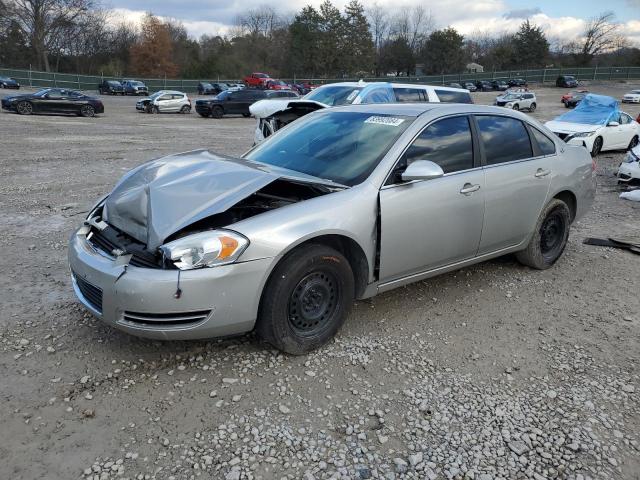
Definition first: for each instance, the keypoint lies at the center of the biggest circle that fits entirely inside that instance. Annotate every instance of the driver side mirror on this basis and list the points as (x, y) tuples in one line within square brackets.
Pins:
[(422, 170), (613, 124)]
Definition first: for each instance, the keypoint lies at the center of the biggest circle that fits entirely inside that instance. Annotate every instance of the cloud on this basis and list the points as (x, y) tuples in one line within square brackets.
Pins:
[(195, 28), (522, 13)]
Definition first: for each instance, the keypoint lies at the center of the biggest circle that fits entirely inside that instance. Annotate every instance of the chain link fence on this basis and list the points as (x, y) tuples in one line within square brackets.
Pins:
[(33, 78)]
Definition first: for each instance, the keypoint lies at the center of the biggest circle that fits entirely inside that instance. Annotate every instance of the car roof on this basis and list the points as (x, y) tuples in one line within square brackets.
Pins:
[(417, 109), (171, 91)]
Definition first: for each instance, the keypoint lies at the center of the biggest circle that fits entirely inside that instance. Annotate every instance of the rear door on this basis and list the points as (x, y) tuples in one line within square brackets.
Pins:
[(518, 164)]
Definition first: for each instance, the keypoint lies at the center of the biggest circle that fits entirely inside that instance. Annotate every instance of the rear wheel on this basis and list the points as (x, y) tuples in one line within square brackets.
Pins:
[(633, 143), (533, 107), (217, 112), (549, 237), (24, 108), (306, 299), (597, 146), (87, 111)]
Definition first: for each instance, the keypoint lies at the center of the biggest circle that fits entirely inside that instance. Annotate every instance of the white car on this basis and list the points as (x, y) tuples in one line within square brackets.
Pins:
[(597, 124), (632, 97), (517, 100), (629, 169), (272, 115), (165, 101)]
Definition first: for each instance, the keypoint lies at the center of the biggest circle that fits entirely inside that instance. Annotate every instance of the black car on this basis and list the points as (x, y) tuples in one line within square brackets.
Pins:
[(282, 94), (300, 88), (206, 88), (8, 82), (574, 100), (469, 86), (517, 82), (566, 81), (134, 87), (53, 100), (454, 85), (484, 85), (110, 87), (230, 102), (499, 85)]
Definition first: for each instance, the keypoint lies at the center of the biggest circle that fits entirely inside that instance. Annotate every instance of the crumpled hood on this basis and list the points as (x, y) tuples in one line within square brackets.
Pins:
[(165, 195), (266, 108)]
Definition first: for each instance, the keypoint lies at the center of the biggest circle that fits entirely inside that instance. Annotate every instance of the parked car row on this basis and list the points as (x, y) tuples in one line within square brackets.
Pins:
[(238, 102)]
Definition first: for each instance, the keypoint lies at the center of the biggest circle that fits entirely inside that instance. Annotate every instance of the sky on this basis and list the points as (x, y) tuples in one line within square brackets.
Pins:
[(563, 20)]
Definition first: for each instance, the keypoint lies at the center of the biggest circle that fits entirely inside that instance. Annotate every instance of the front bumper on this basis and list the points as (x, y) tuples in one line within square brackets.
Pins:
[(631, 100), (629, 172), (203, 109), (214, 302)]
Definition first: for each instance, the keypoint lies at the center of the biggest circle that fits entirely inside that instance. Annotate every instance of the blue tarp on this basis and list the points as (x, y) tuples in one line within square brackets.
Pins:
[(592, 110)]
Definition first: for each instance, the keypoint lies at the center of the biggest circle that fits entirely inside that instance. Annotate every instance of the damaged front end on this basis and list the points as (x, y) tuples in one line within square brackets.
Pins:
[(175, 212), (272, 115)]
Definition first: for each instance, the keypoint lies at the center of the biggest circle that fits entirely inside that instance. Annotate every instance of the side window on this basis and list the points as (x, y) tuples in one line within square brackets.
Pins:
[(505, 139), (164, 98), (177, 96), (446, 142), (453, 96), (410, 95), (625, 119), (546, 145)]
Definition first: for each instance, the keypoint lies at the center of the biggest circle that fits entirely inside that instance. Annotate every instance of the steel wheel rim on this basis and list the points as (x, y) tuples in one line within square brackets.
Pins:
[(552, 234), (313, 303)]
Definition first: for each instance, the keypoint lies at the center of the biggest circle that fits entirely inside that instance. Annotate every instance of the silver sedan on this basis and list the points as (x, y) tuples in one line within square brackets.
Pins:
[(340, 205)]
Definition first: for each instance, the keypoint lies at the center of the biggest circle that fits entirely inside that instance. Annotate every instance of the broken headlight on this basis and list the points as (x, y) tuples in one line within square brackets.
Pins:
[(205, 249)]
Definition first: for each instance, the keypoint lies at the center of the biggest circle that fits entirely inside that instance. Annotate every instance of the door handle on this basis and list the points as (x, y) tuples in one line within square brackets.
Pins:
[(468, 188), (542, 173)]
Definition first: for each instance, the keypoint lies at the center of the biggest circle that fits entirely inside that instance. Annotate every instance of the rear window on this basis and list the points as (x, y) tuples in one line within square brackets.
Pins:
[(453, 96), (504, 139)]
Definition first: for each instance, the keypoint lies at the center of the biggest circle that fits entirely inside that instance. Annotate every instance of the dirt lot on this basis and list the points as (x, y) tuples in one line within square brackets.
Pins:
[(495, 371)]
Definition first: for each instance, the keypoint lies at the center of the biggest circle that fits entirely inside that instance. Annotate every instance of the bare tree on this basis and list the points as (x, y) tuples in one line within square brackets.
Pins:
[(379, 21), (263, 20), (600, 35), (45, 22), (413, 25)]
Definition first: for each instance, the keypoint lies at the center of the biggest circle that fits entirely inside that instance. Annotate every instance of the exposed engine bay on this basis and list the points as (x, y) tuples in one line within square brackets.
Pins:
[(278, 120)]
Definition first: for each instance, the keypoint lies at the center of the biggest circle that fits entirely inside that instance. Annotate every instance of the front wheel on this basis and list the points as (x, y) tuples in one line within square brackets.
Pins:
[(306, 299), (597, 146), (185, 109), (87, 111), (217, 112), (516, 107), (24, 108), (549, 237)]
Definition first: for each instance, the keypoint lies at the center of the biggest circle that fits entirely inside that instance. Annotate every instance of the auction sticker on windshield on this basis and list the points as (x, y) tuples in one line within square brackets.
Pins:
[(393, 121)]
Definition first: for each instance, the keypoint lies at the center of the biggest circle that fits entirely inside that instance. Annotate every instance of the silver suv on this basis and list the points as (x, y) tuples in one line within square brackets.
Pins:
[(517, 100)]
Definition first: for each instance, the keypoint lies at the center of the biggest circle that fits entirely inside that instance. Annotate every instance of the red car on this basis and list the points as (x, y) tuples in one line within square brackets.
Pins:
[(568, 96), (277, 85), (257, 80)]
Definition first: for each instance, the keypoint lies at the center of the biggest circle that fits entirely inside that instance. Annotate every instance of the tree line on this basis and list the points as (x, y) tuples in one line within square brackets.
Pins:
[(78, 36)]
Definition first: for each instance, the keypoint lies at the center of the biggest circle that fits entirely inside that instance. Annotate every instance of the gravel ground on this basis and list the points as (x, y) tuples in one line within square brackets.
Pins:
[(492, 372)]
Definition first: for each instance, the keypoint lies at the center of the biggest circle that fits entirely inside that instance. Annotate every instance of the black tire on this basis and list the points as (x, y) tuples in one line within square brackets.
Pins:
[(87, 111), (566, 105), (597, 146), (516, 107), (532, 107), (306, 299), (185, 109), (549, 237), (246, 115), (633, 142), (217, 112), (24, 108)]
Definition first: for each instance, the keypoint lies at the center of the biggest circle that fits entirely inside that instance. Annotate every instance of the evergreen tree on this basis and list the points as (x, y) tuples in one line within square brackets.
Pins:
[(443, 52), (358, 40), (531, 46)]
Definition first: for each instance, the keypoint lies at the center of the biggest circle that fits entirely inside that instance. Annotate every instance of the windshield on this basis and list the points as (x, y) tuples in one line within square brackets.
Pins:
[(344, 147), (567, 77), (137, 84), (332, 95), (156, 95), (113, 83), (222, 95)]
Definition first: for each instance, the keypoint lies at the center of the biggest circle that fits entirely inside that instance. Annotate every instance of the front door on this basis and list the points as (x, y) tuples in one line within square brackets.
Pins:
[(432, 223)]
